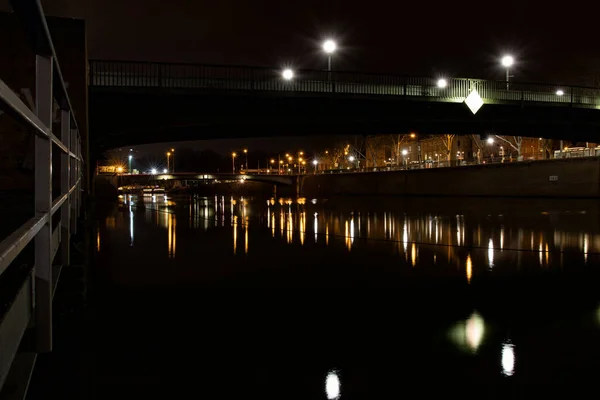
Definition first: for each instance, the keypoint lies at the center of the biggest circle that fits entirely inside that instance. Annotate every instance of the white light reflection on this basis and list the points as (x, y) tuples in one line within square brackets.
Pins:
[(316, 227), (469, 334), (405, 235), (586, 241), (332, 385), (491, 253), (501, 237), (474, 331), (130, 225), (413, 254), (508, 359)]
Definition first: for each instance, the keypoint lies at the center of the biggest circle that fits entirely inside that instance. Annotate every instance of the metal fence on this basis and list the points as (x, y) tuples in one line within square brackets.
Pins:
[(215, 77), (30, 303)]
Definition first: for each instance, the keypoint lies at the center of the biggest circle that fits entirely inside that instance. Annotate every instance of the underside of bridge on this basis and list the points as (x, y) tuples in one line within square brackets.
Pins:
[(126, 117)]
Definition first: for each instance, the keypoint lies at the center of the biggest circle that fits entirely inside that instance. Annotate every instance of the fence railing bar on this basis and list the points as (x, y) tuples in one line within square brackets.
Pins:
[(58, 202), (59, 143), (12, 245), (72, 155), (32, 15), (20, 111)]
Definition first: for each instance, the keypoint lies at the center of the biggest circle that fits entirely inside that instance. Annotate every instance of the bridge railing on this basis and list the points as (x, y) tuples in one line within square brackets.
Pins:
[(28, 294), (217, 77)]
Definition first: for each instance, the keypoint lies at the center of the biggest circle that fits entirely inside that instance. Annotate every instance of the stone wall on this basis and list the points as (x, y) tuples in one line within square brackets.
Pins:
[(551, 178)]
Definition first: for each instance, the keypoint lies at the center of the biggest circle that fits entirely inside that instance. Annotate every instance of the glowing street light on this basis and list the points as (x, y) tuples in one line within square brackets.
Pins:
[(233, 156), (329, 47), (246, 153), (351, 158), (165, 171), (507, 61), (287, 74), (119, 170), (153, 171), (315, 162), (560, 92), (404, 152), (442, 83), (490, 140)]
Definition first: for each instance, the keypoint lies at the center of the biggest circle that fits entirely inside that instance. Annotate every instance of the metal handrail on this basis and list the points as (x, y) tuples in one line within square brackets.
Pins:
[(261, 79), (33, 298)]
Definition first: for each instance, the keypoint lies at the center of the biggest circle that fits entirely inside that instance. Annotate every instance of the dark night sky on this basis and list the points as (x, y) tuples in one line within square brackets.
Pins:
[(551, 43), (555, 43)]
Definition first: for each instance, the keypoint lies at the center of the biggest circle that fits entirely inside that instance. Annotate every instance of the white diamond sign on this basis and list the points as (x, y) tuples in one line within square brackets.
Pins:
[(474, 101)]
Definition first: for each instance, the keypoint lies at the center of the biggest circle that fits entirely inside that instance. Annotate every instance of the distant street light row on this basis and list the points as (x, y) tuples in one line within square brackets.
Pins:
[(329, 47)]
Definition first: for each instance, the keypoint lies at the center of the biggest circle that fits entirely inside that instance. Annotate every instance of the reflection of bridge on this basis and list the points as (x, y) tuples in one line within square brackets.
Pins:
[(134, 103), (193, 176)]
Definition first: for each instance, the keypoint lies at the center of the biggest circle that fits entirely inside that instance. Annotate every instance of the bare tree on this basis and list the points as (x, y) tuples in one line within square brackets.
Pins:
[(515, 142), (447, 142), (480, 144), (373, 147), (396, 141)]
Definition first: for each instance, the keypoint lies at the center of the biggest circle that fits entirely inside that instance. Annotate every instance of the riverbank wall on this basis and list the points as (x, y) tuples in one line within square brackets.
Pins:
[(548, 178)]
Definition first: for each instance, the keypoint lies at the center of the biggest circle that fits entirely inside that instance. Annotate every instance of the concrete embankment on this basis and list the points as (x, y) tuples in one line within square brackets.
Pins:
[(549, 178)]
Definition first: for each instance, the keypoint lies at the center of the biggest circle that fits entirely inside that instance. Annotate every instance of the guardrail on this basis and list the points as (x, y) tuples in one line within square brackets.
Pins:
[(217, 77), (31, 303)]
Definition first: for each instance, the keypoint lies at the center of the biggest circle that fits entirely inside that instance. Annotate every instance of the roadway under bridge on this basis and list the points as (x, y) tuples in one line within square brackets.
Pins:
[(136, 103)]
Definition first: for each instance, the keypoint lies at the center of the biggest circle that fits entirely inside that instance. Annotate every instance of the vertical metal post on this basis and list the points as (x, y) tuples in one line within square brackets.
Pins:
[(43, 206), (65, 185), (72, 179)]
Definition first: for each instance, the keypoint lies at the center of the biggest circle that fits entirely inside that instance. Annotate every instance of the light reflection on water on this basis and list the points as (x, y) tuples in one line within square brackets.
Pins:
[(473, 247), (411, 231)]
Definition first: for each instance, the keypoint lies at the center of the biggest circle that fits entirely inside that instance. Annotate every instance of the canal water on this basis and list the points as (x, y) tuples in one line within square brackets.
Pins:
[(222, 297)]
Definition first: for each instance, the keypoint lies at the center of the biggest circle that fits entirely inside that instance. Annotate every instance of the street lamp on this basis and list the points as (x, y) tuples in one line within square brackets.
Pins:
[(315, 163), (168, 155), (329, 47), (490, 140), (153, 171), (442, 83), (165, 171), (287, 74), (173, 160), (130, 157), (233, 155), (560, 92), (507, 62), (246, 153)]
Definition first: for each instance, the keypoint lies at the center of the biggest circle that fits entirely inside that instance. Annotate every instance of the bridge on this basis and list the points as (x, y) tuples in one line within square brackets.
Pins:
[(206, 101), (33, 256), (126, 179)]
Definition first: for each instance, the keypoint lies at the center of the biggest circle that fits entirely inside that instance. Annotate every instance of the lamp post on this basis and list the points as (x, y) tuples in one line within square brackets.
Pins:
[(168, 157), (507, 62), (233, 155), (130, 158), (329, 47), (246, 153), (315, 163), (173, 161)]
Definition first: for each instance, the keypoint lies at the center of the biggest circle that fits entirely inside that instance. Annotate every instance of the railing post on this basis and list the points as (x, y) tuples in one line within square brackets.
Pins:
[(73, 179), (43, 206), (65, 185), (405, 83)]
